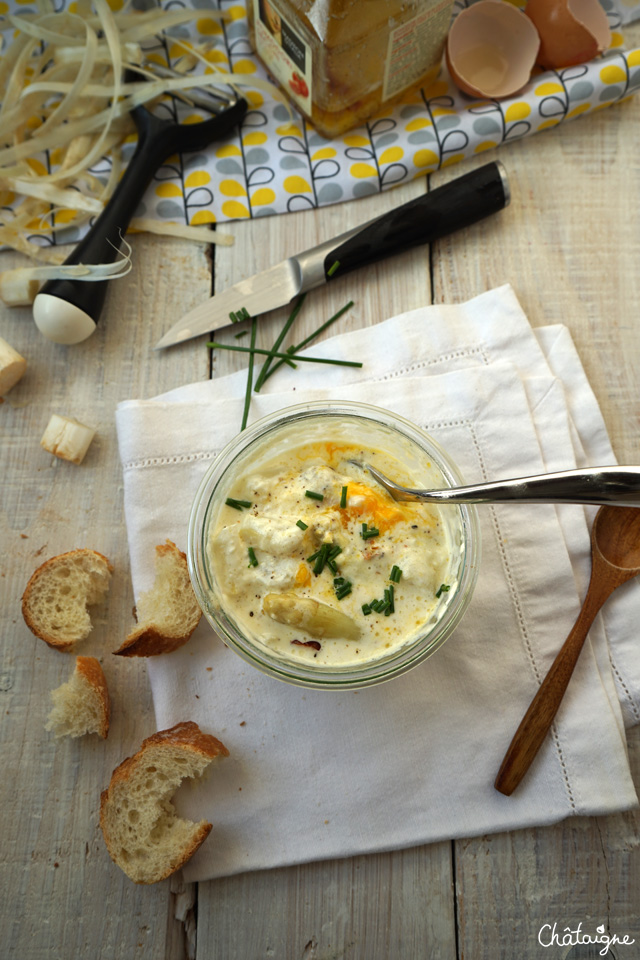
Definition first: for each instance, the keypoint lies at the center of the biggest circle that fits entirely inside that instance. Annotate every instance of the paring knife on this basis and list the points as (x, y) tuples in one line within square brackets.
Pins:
[(457, 204)]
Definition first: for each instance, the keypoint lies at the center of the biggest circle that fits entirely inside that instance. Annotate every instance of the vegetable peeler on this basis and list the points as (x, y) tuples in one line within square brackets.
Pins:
[(67, 311)]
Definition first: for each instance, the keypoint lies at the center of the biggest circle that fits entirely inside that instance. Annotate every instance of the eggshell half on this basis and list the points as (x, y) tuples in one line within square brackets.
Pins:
[(491, 49), (571, 31)]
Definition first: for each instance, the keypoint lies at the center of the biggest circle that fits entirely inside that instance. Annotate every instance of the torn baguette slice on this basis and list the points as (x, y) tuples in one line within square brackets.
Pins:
[(12, 367), (56, 598), (82, 704), (67, 438), (168, 613), (144, 835)]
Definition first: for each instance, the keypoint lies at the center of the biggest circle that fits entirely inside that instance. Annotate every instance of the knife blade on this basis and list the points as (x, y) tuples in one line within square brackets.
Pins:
[(451, 207)]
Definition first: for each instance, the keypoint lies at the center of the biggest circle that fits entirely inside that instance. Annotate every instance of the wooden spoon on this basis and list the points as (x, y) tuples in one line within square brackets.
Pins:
[(615, 558)]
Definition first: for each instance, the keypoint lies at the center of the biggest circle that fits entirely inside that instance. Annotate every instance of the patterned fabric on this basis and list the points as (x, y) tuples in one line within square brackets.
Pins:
[(277, 163)]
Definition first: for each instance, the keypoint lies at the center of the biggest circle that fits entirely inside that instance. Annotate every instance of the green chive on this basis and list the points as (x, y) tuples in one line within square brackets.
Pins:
[(247, 396), (312, 336), (343, 497), (272, 353), (321, 558), (395, 574), (242, 333), (389, 598), (366, 609), (214, 345), (302, 524), (332, 269), (342, 587), (253, 560), (313, 495), (443, 588), (368, 532), (238, 504), (331, 558)]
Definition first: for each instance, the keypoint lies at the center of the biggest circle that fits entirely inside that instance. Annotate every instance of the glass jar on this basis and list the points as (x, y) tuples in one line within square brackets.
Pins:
[(348, 423), (342, 61)]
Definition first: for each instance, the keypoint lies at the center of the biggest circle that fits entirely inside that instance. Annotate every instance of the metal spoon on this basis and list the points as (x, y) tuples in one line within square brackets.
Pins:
[(596, 485), (615, 558)]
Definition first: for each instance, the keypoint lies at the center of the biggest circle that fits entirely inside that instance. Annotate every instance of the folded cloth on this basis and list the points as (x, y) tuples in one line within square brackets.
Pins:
[(318, 774)]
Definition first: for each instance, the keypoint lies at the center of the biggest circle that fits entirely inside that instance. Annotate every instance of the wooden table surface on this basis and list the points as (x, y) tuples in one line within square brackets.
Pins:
[(570, 246)]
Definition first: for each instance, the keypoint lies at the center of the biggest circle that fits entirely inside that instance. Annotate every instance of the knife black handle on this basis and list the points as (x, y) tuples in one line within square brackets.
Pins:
[(451, 207)]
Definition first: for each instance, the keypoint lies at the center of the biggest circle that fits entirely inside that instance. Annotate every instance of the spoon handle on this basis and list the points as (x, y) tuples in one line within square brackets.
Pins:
[(594, 485), (536, 722)]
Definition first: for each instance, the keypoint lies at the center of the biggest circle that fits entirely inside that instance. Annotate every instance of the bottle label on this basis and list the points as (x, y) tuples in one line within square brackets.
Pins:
[(284, 52), (416, 47)]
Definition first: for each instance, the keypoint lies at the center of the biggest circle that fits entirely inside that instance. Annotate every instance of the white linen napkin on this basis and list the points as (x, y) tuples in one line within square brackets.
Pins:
[(317, 774)]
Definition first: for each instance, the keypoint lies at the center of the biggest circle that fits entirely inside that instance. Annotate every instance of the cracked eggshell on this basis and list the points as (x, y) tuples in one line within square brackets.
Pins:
[(491, 49), (571, 31)]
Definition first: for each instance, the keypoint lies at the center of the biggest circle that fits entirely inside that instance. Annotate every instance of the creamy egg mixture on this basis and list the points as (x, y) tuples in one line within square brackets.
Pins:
[(316, 561)]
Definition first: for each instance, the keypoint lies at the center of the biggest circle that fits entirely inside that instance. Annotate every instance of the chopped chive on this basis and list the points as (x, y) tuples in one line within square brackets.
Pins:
[(313, 495), (247, 396), (233, 317), (366, 609), (342, 587), (312, 336), (253, 560), (389, 598), (321, 558), (214, 345), (343, 497), (395, 574), (302, 524), (443, 588), (242, 333), (332, 269), (272, 353), (238, 504), (368, 532)]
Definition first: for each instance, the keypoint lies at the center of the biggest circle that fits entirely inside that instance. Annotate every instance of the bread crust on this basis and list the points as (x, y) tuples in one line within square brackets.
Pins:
[(186, 735), (92, 671), (149, 640), (34, 581)]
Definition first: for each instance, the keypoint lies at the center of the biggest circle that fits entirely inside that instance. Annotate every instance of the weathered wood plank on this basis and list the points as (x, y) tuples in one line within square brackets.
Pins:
[(389, 906), (62, 896)]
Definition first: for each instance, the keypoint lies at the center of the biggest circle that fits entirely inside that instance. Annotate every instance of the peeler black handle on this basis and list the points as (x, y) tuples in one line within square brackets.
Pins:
[(455, 205), (66, 311)]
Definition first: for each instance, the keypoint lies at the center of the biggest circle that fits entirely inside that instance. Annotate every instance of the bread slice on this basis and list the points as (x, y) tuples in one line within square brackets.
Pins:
[(54, 604), (82, 704), (168, 613), (143, 834)]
